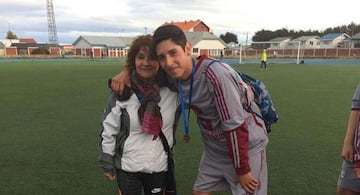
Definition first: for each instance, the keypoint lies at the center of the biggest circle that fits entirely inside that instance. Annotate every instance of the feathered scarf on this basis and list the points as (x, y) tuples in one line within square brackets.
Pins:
[(149, 97)]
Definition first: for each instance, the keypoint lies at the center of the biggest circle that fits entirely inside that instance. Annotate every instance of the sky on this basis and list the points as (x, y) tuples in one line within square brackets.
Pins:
[(73, 18)]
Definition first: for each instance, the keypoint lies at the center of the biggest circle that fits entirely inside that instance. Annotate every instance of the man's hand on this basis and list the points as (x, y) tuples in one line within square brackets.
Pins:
[(347, 152), (248, 182), (110, 176), (121, 80)]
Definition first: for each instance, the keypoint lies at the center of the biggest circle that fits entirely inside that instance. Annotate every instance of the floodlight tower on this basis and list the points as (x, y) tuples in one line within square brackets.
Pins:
[(51, 22)]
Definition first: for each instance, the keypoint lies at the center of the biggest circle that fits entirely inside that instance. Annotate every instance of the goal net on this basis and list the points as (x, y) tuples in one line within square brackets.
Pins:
[(277, 52)]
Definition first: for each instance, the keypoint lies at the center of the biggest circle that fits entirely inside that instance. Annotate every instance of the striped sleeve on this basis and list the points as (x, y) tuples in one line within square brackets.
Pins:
[(356, 99), (224, 82), (219, 95), (238, 144), (355, 107)]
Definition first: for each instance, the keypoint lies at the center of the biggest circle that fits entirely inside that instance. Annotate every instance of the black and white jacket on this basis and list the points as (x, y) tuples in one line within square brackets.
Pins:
[(123, 145)]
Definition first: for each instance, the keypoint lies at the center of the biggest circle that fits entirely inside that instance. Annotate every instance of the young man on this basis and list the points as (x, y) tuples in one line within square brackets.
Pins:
[(234, 156), (349, 179)]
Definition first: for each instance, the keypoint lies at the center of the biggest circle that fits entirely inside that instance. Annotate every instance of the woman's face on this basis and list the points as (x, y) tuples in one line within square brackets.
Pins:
[(146, 67)]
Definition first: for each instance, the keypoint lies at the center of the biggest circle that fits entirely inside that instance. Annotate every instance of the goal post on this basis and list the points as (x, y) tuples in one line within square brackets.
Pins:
[(277, 51)]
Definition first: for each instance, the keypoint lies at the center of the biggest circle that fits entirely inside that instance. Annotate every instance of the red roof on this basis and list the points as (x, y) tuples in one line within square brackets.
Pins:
[(26, 40), (186, 25)]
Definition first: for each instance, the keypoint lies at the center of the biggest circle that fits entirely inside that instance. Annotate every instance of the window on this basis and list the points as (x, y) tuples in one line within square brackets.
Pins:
[(83, 51), (214, 52)]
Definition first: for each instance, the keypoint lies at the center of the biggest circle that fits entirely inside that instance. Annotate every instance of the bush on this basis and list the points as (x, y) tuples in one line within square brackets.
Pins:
[(40, 51)]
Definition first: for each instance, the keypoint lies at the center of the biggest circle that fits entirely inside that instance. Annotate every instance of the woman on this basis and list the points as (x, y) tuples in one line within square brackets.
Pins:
[(130, 146)]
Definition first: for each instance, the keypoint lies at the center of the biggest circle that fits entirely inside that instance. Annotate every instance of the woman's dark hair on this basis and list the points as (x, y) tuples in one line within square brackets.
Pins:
[(138, 43)]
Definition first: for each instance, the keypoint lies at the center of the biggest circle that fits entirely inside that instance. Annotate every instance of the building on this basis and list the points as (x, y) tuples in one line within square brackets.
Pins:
[(197, 32), (205, 43), (27, 40), (101, 46), (2, 49), (202, 39), (355, 40), (280, 43), (8, 42), (333, 40), (308, 42), (29, 48), (26, 47)]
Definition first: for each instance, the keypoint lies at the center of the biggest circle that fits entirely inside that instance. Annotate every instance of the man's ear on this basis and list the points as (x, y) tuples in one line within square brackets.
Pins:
[(188, 48)]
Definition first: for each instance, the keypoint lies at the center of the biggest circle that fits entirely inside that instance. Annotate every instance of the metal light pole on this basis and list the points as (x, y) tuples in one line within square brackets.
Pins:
[(350, 40), (240, 51)]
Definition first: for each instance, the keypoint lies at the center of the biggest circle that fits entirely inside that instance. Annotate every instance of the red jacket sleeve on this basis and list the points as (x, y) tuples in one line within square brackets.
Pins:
[(238, 145)]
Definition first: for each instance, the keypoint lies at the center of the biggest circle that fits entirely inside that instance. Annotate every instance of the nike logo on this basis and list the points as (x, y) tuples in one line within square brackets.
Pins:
[(156, 190)]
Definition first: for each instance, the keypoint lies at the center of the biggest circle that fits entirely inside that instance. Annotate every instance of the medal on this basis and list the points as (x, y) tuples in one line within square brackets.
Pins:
[(186, 138)]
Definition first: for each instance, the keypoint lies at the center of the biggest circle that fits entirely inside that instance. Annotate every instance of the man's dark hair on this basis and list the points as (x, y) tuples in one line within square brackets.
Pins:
[(169, 32)]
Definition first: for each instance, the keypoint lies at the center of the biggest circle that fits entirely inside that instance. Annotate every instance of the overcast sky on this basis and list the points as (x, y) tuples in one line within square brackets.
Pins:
[(28, 18)]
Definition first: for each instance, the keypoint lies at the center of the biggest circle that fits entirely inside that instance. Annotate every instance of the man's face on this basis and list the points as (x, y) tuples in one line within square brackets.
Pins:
[(175, 61)]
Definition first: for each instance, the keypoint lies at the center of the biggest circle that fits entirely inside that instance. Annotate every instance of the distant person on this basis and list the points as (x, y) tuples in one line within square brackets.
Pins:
[(221, 55), (263, 60), (131, 147), (275, 53), (62, 53), (234, 155), (349, 179)]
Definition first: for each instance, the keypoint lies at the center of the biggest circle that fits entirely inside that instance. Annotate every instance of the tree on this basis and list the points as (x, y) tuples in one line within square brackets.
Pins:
[(263, 35), (267, 35), (10, 35), (229, 37), (40, 51)]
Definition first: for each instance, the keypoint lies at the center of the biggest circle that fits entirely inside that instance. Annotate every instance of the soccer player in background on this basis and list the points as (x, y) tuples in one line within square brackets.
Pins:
[(263, 60)]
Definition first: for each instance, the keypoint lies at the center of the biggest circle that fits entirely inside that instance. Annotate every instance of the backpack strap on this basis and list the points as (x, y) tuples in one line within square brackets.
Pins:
[(165, 143), (170, 188)]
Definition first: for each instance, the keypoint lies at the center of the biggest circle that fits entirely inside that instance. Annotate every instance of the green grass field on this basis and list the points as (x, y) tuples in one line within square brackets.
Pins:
[(50, 113)]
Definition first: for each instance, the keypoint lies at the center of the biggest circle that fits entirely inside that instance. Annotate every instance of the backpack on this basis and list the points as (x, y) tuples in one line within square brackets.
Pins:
[(263, 100)]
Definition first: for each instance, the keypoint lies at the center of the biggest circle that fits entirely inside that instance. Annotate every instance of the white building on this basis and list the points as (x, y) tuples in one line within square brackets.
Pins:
[(333, 40)]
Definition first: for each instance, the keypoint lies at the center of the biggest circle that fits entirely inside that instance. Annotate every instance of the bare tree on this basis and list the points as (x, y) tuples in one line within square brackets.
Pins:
[(10, 35)]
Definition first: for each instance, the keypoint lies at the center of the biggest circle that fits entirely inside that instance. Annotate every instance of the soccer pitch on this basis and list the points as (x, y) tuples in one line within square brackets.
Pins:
[(50, 114)]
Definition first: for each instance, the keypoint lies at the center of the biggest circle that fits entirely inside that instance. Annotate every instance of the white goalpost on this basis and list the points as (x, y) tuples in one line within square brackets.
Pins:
[(277, 51)]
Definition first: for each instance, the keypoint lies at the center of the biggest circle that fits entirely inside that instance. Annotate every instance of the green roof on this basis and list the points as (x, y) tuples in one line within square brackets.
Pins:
[(356, 36), (107, 41), (280, 39), (196, 37)]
